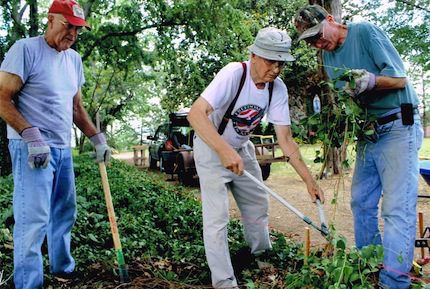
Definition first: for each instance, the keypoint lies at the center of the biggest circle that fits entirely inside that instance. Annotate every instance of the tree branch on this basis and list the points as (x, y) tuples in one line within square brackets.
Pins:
[(17, 18), (414, 5), (91, 47)]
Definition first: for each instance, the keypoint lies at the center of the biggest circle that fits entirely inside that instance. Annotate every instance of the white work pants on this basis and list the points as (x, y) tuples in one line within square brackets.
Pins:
[(252, 201)]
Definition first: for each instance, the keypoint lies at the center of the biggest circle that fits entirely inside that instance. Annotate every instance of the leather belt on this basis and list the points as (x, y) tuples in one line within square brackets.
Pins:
[(392, 117)]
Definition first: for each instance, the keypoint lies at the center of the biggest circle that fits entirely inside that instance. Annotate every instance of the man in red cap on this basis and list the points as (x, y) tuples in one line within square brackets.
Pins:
[(40, 98)]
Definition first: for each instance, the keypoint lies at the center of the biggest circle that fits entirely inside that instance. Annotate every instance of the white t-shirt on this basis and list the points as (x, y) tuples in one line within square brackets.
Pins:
[(251, 105), (51, 79)]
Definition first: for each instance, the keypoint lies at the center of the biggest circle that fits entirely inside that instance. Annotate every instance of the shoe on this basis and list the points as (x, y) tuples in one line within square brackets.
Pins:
[(243, 259)]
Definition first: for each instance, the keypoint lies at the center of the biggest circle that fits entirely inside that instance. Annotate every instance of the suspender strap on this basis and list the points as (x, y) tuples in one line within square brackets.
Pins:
[(270, 93), (227, 114)]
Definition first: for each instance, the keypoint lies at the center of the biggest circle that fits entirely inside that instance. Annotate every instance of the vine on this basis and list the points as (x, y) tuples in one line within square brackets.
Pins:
[(341, 122)]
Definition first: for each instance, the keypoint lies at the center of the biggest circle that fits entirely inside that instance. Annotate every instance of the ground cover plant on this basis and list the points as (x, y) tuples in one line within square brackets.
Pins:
[(161, 232)]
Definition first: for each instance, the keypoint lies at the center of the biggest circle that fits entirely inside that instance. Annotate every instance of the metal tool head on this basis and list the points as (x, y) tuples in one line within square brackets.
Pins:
[(324, 229)]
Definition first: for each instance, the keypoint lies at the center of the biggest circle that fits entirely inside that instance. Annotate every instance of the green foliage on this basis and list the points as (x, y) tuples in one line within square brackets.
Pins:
[(341, 122), (165, 52), (163, 223), (6, 222), (344, 269), (336, 266), (154, 219)]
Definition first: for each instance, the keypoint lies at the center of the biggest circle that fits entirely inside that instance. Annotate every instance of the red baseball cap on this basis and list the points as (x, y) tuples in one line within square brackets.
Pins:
[(71, 10)]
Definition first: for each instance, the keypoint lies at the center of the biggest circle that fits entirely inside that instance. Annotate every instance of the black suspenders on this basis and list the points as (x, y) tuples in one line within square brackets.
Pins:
[(227, 114)]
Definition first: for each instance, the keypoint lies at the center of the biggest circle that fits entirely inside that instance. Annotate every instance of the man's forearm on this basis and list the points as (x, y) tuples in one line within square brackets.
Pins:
[(292, 152), (386, 82)]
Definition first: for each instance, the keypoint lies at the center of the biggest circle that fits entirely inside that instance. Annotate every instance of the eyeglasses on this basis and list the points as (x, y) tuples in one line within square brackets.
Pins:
[(69, 26), (279, 64)]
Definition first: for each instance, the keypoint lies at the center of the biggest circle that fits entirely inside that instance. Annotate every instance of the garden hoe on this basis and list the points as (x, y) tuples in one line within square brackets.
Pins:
[(123, 274), (323, 228)]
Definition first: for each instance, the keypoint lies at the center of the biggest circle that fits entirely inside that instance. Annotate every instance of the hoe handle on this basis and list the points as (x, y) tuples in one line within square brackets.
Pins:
[(123, 274)]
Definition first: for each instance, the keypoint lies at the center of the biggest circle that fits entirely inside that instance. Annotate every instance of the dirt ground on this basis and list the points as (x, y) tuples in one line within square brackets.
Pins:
[(338, 212)]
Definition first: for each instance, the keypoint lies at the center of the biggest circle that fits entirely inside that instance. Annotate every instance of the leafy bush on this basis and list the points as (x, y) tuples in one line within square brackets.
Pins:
[(6, 222), (161, 225), (154, 219)]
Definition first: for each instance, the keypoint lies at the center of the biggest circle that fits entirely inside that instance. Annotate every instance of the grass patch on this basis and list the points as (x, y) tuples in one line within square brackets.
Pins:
[(425, 148), (309, 153)]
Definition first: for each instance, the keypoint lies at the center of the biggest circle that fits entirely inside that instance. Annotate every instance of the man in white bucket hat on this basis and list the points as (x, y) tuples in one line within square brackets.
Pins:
[(223, 117)]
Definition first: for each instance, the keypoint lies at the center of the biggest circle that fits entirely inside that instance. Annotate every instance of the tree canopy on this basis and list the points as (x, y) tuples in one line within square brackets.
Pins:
[(145, 58)]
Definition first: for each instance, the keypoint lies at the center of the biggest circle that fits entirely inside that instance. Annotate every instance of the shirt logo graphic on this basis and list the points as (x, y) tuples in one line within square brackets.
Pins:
[(246, 118)]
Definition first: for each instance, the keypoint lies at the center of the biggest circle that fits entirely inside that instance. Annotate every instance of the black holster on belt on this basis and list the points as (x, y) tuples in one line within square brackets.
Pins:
[(406, 114), (407, 111)]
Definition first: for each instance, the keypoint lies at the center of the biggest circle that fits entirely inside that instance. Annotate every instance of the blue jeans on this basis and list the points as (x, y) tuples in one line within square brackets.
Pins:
[(389, 166), (44, 204)]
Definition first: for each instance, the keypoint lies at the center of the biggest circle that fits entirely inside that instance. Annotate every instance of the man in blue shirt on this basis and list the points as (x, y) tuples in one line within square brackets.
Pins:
[(389, 164), (40, 98)]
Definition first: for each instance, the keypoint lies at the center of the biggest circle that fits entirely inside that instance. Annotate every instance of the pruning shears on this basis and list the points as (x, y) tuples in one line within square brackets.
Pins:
[(323, 229)]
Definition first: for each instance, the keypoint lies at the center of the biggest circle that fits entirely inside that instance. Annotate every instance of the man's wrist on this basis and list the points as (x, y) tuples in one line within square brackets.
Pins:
[(98, 138), (20, 133), (372, 82)]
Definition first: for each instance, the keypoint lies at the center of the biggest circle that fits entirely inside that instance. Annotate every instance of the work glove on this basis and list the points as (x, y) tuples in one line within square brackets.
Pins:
[(103, 151), (362, 81), (39, 153)]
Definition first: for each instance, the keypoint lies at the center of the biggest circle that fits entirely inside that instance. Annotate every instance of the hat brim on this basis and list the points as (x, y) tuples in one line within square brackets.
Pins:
[(272, 55), (77, 21), (314, 30)]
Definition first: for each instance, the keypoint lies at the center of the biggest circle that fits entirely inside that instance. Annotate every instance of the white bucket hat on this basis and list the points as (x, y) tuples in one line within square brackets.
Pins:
[(272, 43)]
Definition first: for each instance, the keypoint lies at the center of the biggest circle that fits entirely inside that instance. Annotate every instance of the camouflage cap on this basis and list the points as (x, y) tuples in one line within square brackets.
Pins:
[(308, 20)]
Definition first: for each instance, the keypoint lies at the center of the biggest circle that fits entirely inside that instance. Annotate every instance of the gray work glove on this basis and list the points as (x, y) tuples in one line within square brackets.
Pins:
[(39, 153), (363, 81), (103, 151)]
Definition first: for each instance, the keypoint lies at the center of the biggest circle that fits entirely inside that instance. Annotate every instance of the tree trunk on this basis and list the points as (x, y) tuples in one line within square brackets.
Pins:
[(34, 26), (332, 155)]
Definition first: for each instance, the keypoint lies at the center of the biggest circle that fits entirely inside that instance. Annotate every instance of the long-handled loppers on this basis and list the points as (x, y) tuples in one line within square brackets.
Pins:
[(123, 273), (323, 228)]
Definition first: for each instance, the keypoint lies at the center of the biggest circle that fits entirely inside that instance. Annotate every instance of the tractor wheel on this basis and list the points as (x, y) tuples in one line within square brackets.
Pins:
[(161, 164), (184, 177), (152, 163)]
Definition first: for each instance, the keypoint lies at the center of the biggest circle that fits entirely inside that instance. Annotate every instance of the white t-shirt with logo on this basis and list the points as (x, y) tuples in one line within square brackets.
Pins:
[(251, 106)]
